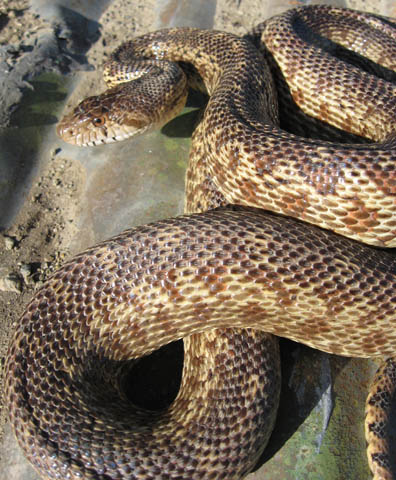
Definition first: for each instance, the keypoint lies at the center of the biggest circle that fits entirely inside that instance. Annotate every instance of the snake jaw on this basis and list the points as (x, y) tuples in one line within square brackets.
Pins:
[(87, 137), (110, 134)]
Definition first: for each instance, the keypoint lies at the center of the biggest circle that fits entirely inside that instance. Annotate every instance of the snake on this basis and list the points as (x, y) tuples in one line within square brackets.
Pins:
[(282, 235)]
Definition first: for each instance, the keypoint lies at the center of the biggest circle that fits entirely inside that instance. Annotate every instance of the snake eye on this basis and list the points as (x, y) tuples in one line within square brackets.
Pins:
[(98, 121)]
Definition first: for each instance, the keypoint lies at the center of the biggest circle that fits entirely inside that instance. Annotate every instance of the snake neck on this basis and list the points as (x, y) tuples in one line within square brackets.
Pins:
[(227, 65)]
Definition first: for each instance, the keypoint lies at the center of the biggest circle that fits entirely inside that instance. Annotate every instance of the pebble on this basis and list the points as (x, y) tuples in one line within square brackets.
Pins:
[(10, 282), (9, 242)]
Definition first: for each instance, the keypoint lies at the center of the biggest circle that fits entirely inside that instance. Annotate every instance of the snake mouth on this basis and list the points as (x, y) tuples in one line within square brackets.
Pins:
[(99, 130), (122, 132)]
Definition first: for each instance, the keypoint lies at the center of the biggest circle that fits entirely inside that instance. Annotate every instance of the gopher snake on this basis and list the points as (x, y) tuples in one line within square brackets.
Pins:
[(234, 267)]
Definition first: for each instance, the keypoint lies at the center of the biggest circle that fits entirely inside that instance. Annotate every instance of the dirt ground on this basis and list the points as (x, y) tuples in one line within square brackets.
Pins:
[(39, 239), (37, 242)]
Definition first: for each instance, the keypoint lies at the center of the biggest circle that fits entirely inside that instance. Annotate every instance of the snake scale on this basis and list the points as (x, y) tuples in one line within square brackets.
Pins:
[(254, 256)]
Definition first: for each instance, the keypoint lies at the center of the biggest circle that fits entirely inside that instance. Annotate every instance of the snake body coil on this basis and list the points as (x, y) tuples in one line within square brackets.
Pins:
[(231, 268)]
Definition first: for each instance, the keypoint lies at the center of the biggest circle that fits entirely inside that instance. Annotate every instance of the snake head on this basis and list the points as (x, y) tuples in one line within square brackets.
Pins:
[(131, 107), (102, 119)]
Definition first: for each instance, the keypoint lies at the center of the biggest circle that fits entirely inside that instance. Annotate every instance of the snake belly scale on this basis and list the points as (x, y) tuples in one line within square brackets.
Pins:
[(227, 278)]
